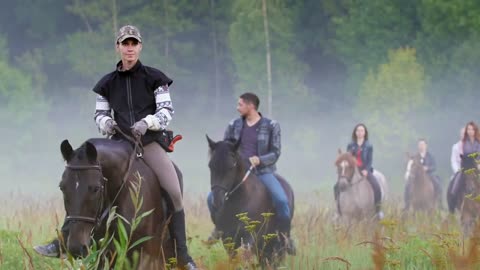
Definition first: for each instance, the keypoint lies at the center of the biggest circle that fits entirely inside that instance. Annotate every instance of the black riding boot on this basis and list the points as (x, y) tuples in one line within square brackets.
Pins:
[(336, 193), (284, 228), (177, 231), (456, 192), (377, 194)]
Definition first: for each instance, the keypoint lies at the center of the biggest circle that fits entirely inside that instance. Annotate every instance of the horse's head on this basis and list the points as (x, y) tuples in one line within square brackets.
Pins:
[(346, 168), (225, 167), (414, 167), (83, 187), (471, 172)]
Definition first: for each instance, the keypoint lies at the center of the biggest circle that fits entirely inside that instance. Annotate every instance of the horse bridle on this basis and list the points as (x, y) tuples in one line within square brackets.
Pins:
[(99, 216), (349, 180), (228, 192)]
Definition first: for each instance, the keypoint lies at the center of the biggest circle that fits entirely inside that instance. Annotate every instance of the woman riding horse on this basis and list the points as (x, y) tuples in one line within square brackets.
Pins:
[(470, 148), (140, 99), (428, 165), (362, 150)]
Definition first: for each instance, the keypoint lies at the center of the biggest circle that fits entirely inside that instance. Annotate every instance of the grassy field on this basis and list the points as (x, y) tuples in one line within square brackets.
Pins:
[(421, 242)]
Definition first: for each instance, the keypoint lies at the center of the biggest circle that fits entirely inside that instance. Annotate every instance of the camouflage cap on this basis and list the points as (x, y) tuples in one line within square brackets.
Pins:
[(128, 31)]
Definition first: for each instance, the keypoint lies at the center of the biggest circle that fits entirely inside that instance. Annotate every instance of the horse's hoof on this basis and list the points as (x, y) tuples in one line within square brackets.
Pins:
[(191, 266), (291, 248)]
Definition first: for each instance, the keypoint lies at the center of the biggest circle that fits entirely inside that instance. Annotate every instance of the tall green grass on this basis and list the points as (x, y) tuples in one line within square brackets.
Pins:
[(423, 241)]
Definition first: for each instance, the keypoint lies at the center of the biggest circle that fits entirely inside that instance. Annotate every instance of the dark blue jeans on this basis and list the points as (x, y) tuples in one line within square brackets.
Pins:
[(279, 196)]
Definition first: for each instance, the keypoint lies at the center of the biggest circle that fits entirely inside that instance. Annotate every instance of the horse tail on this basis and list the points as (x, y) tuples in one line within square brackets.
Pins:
[(382, 181)]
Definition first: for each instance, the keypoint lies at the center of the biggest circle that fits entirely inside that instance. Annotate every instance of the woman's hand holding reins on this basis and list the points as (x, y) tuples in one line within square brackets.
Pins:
[(139, 129), (110, 127)]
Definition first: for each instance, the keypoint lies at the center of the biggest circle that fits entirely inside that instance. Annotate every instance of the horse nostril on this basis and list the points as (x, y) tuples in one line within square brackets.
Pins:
[(79, 251), (84, 251)]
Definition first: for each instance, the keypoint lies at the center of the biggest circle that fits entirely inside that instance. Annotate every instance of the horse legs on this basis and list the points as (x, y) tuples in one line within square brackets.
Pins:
[(377, 193), (437, 187), (468, 222), (406, 196), (451, 200), (336, 194)]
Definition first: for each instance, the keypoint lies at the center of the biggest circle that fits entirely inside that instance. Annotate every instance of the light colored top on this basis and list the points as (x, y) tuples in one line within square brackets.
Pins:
[(455, 160)]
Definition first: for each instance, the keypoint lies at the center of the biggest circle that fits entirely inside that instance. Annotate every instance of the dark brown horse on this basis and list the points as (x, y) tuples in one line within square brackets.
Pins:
[(226, 173), (93, 182), (421, 190), (470, 207)]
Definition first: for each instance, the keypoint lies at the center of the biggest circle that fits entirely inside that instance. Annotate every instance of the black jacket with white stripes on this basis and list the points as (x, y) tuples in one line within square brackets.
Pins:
[(135, 94)]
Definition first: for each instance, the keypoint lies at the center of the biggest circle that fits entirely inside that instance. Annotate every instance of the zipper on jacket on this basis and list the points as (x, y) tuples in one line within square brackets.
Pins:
[(130, 101)]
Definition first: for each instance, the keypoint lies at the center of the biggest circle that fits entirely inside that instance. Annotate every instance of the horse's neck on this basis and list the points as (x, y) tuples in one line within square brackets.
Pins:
[(357, 176), (247, 189), (419, 176), (114, 166), (473, 179)]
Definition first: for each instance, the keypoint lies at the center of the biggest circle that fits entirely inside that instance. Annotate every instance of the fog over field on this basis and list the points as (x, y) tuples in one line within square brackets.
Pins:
[(393, 66)]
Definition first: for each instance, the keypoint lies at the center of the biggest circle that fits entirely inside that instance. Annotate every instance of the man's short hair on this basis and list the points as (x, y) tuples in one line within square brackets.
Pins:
[(251, 98), (422, 140)]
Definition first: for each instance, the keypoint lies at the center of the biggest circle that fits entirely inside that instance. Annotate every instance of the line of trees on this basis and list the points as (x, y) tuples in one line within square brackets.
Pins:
[(406, 68)]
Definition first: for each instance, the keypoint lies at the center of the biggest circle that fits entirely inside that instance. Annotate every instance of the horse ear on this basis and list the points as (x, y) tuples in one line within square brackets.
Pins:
[(211, 143), (67, 150), (91, 152), (339, 151)]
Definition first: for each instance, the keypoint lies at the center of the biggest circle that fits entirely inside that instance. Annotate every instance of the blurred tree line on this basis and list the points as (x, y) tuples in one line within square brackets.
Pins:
[(406, 68)]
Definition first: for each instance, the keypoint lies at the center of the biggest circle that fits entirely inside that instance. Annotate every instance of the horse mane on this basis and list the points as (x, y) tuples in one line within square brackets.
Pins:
[(222, 149), (103, 143), (469, 162), (346, 156)]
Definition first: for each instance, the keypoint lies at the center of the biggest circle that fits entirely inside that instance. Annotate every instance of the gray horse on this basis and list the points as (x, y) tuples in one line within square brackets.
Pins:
[(356, 194)]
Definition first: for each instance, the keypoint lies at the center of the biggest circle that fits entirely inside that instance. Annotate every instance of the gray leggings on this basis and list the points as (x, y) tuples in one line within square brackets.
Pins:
[(158, 160)]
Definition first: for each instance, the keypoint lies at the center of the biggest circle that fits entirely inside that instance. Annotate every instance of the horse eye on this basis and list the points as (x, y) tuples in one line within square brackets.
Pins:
[(94, 189)]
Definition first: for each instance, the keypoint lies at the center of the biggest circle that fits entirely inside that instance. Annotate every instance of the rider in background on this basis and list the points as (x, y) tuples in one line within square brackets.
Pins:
[(429, 165), (455, 160), (362, 150), (470, 147), (260, 145)]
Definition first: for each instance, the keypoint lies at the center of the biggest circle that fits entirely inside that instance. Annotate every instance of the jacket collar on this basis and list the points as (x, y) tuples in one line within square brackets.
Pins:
[(365, 143), (259, 121), (132, 70)]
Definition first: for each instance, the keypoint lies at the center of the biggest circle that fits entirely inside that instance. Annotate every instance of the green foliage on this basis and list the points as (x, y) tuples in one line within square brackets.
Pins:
[(23, 107), (322, 52), (12, 256), (247, 44), (387, 98), (369, 29)]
